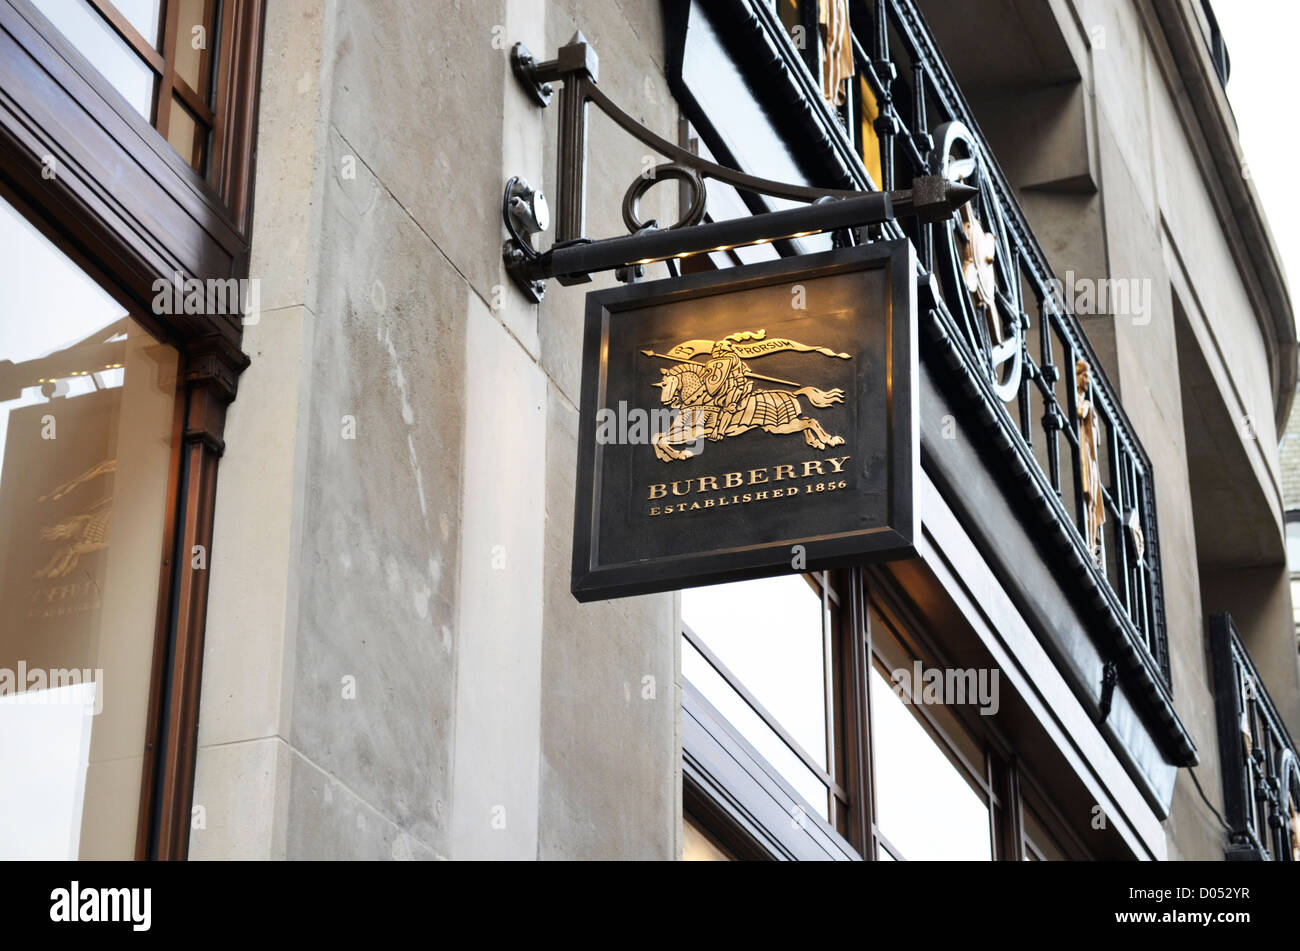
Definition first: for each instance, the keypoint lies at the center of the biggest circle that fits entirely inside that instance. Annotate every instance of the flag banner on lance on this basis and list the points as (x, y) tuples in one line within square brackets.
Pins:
[(748, 422), (748, 345)]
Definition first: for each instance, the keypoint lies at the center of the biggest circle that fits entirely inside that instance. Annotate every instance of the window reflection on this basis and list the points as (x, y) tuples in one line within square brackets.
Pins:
[(924, 805), (86, 409), (769, 745), (771, 638), (183, 133), (168, 83), (107, 51), (770, 634), (144, 16), (191, 43)]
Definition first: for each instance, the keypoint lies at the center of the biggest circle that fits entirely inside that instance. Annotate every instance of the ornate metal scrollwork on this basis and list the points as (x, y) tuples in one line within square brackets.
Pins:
[(693, 215), (575, 67), (1286, 802), (1259, 763), (974, 258)]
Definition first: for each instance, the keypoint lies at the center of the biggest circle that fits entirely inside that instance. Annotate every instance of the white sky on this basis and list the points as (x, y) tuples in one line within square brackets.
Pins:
[(1261, 35)]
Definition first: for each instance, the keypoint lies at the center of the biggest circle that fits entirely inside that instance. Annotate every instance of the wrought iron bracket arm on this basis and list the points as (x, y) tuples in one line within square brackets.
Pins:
[(573, 262), (574, 58), (573, 257)]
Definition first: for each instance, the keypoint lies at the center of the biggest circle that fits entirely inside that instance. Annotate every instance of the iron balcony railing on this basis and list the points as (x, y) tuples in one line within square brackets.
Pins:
[(992, 306), (1261, 772)]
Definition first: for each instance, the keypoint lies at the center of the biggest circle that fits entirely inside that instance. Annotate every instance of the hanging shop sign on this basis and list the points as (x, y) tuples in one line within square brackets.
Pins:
[(748, 422)]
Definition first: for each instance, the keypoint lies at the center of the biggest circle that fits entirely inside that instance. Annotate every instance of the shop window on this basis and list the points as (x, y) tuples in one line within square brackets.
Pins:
[(160, 56), (931, 791), (925, 806), (759, 652), (115, 58), (1040, 843), (818, 677), (87, 404), (137, 391)]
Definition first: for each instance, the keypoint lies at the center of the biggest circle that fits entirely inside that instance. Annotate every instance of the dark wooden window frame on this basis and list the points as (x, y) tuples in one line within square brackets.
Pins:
[(198, 102), (739, 799), (130, 210)]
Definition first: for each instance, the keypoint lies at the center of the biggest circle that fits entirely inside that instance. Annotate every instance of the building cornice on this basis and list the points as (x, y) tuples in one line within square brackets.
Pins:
[(1205, 104)]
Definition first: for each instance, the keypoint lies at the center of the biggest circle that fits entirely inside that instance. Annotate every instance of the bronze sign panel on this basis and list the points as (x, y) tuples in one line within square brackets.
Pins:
[(748, 422)]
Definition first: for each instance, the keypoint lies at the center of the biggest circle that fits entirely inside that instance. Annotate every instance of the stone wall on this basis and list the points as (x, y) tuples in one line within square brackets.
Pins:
[(394, 664)]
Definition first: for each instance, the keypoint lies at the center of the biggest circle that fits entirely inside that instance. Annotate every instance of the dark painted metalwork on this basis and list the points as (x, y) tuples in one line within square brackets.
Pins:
[(574, 257), (1018, 385), (691, 183), (1030, 426), (1125, 578), (1109, 678), (573, 262), (1011, 348), (624, 545), (1261, 769)]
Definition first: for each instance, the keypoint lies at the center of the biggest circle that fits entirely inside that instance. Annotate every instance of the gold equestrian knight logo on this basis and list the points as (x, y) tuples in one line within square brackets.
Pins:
[(717, 398)]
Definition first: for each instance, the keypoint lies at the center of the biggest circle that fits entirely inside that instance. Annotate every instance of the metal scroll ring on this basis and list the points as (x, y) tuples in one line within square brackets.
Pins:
[(632, 200)]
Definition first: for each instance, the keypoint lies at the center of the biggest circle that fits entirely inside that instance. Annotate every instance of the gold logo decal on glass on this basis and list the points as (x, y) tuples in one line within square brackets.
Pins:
[(78, 534), (717, 398)]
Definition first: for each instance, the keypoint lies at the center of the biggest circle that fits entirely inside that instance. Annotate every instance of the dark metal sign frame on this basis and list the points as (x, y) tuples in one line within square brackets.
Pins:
[(754, 545)]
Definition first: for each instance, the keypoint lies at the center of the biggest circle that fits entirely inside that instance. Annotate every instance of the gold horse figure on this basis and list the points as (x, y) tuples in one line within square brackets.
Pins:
[(85, 533), (715, 402)]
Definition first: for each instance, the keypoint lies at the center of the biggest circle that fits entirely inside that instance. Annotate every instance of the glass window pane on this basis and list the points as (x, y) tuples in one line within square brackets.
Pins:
[(924, 806), (768, 633), (143, 15), (192, 41), (900, 663), (107, 51), (182, 129), (86, 409), (750, 725)]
